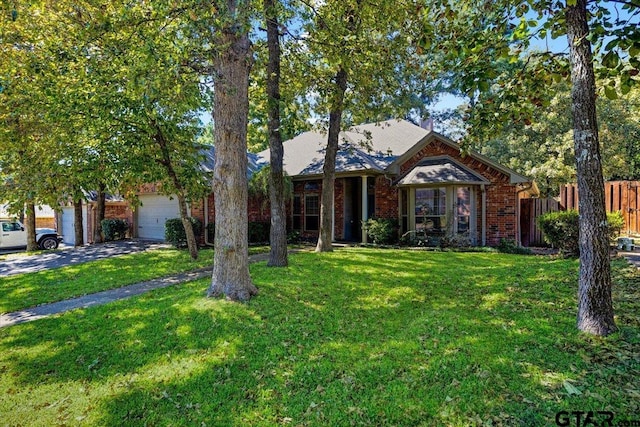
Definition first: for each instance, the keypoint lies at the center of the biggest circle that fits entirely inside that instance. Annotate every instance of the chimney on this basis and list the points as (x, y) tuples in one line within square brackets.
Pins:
[(427, 124)]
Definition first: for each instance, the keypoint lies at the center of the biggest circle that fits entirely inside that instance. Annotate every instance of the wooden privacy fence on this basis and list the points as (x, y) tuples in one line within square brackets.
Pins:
[(620, 196), (530, 209)]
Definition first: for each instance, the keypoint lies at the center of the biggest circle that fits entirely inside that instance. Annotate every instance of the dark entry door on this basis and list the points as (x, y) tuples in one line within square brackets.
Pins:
[(352, 210)]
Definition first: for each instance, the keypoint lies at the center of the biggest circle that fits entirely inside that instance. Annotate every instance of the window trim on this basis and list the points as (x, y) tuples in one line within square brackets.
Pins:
[(307, 214)]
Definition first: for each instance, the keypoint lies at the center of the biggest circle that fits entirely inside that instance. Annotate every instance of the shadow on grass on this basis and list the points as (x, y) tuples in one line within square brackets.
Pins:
[(356, 337)]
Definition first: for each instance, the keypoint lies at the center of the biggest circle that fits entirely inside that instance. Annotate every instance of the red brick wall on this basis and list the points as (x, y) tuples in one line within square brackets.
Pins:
[(46, 222), (113, 210), (386, 199), (501, 196)]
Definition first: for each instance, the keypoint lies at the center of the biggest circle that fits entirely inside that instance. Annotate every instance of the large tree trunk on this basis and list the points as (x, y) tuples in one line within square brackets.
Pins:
[(278, 234), (77, 222), (99, 216), (329, 167), (230, 111), (595, 308), (30, 227)]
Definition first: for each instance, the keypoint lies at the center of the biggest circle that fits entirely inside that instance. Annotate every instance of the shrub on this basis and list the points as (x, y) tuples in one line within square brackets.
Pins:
[(293, 237), (561, 229), (381, 230), (174, 231), (259, 231), (508, 246), (455, 241), (114, 229), (615, 220)]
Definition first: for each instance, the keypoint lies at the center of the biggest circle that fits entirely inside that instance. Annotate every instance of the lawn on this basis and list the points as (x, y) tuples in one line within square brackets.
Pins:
[(355, 337), (28, 290)]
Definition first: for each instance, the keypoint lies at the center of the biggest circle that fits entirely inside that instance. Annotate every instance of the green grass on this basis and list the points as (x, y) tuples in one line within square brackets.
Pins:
[(28, 290), (355, 337)]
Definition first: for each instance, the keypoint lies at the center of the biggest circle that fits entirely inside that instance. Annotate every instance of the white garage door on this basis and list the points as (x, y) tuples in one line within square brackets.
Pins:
[(68, 225), (153, 213)]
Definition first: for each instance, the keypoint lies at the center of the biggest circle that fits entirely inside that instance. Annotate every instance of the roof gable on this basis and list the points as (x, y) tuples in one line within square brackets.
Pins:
[(441, 170), (432, 137)]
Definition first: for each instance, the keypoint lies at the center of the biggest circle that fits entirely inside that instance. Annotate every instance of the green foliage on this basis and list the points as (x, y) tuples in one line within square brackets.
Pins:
[(455, 240), (293, 237), (615, 222), (259, 231), (114, 229), (561, 230), (332, 340), (259, 184), (174, 231), (382, 231), (508, 246)]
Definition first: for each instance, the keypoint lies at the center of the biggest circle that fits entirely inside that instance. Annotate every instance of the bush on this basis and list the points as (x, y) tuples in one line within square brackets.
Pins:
[(561, 229), (174, 231), (259, 231), (114, 229), (615, 220), (381, 231), (294, 237), (508, 246), (455, 241)]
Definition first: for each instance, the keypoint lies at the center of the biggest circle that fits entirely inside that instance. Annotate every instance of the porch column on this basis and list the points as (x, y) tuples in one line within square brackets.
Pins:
[(365, 207)]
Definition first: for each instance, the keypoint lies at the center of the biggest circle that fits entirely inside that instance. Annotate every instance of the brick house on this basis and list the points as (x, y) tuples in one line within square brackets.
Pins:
[(395, 169)]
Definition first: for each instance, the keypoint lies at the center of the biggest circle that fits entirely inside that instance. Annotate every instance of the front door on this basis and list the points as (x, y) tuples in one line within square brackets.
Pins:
[(352, 210)]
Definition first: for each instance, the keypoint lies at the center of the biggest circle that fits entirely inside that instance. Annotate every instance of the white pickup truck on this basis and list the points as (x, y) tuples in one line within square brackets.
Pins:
[(13, 235)]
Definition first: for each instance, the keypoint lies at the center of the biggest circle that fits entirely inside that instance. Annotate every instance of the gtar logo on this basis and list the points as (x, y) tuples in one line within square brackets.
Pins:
[(584, 418)]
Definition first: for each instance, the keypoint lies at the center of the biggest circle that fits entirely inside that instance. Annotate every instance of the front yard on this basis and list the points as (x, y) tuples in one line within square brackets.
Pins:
[(355, 337)]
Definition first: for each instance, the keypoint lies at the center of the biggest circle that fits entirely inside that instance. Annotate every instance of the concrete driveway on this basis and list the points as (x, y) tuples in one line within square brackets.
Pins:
[(20, 263)]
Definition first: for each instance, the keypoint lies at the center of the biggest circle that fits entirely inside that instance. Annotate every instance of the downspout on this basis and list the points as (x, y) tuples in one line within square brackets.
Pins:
[(484, 214), (527, 187)]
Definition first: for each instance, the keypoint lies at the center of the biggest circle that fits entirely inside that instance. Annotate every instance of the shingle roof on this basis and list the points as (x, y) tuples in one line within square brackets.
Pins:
[(255, 162), (439, 170), (369, 147)]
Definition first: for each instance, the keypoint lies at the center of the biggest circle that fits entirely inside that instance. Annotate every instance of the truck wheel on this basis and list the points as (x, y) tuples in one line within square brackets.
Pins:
[(49, 243)]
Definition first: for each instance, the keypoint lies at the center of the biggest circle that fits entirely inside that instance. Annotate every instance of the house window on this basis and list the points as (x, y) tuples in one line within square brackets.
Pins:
[(311, 212), (297, 212), (430, 211), (463, 209)]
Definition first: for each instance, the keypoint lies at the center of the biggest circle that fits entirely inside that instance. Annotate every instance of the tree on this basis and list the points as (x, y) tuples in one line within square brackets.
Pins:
[(356, 63), (543, 150), (278, 233), (595, 307), (28, 166), (595, 313), (231, 64)]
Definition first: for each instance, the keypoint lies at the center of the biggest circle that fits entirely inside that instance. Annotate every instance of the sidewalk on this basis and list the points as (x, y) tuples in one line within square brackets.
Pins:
[(632, 256), (104, 297)]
